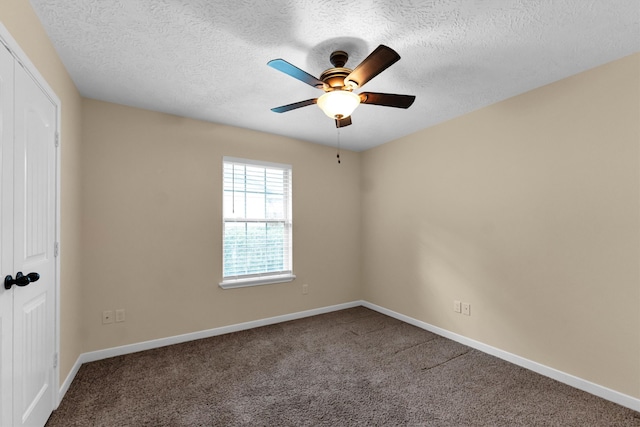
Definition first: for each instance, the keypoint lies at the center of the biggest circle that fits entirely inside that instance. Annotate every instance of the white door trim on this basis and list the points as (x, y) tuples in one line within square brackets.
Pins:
[(21, 57)]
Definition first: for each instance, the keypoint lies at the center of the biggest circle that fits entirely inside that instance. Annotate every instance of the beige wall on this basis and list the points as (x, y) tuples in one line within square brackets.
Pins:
[(153, 225), (18, 17), (528, 210)]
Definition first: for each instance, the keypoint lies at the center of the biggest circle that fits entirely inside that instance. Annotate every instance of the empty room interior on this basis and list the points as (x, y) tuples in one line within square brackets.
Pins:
[(499, 210)]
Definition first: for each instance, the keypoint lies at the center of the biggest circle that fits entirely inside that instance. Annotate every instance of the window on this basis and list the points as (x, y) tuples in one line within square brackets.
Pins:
[(256, 223)]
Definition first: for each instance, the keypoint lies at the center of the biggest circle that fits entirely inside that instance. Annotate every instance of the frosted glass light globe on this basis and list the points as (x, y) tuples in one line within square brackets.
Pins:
[(338, 103)]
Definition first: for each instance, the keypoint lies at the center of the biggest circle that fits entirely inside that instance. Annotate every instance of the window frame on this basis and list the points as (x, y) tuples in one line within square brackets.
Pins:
[(261, 278)]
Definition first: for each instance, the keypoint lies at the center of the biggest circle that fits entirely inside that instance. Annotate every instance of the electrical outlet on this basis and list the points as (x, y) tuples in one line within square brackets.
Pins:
[(305, 289), (107, 317), (120, 315), (457, 307), (466, 309)]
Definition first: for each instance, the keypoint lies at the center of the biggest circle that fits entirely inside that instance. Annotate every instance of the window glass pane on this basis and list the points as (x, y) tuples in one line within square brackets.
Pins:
[(252, 248), (234, 249), (257, 226), (255, 205), (234, 204), (275, 206), (274, 241)]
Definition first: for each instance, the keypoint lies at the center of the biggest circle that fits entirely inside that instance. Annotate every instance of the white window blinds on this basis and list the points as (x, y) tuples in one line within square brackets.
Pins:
[(257, 231)]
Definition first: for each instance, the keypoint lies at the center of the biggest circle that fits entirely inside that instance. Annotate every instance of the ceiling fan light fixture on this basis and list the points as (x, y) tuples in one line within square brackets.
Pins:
[(338, 104)]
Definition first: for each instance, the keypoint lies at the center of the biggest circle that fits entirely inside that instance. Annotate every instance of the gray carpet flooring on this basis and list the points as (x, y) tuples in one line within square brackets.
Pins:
[(354, 367)]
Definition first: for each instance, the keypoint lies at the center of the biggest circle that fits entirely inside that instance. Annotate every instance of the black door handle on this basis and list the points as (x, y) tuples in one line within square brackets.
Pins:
[(20, 279)]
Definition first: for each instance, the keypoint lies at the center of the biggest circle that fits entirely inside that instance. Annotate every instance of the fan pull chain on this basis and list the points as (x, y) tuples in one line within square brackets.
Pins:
[(338, 155)]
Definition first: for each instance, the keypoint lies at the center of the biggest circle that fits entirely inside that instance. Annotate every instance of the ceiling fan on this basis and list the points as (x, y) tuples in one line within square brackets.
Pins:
[(338, 83)]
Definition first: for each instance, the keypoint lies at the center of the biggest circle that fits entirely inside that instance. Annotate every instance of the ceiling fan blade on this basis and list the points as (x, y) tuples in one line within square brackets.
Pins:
[(387, 99), (377, 61), (285, 108), (340, 123), (295, 72)]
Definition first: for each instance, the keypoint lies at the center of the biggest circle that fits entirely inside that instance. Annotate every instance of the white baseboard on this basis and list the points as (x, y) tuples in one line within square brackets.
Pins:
[(67, 382), (162, 342), (573, 381)]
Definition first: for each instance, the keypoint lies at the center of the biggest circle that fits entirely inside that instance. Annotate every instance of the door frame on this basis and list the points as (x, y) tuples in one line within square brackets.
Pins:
[(21, 57)]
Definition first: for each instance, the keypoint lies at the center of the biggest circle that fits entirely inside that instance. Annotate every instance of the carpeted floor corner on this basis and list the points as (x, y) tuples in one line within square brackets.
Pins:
[(353, 367)]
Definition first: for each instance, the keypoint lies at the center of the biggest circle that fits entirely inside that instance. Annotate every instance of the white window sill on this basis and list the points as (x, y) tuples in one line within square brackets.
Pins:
[(256, 281)]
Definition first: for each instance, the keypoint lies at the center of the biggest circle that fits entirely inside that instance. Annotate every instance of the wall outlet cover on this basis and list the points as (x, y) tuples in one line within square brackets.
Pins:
[(107, 317)]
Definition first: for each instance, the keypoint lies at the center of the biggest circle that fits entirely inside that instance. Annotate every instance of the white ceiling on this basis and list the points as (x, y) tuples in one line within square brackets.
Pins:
[(206, 59)]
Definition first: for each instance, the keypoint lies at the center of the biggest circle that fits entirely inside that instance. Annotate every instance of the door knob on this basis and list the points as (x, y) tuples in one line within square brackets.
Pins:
[(20, 279)]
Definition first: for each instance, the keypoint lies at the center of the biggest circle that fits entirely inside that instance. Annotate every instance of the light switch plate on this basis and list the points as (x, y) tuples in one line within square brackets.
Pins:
[(466, 309)]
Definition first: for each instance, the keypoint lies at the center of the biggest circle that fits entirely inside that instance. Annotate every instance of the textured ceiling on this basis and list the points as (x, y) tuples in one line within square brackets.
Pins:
[(206, 59)]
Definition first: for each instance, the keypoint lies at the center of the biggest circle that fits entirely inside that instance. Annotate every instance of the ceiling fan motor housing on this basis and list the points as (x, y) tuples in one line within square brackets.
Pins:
[(334, 77)]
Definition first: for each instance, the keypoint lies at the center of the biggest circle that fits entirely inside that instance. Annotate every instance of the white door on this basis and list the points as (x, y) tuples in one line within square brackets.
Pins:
[(33, 174), (6, 236)]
